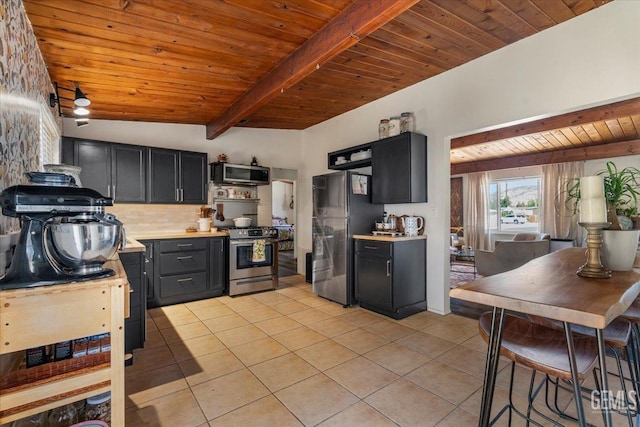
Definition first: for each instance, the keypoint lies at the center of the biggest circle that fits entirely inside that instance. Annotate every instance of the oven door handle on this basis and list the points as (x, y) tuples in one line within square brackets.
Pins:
[(249, 242)]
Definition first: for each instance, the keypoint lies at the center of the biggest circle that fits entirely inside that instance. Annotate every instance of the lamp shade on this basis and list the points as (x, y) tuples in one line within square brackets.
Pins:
[(81, 100), (81, 111)]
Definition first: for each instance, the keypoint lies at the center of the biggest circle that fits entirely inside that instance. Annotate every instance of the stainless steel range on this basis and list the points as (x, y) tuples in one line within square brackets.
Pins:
[(253, 259)]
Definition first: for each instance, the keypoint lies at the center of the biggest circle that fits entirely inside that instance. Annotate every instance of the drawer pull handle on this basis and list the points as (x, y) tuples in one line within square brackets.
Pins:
[(185, 280), (371, 247), (180, 258), (184, 245), (388, 268)]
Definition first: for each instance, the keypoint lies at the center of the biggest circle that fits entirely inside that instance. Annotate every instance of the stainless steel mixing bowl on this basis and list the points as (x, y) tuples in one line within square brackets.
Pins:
[(83, 245)]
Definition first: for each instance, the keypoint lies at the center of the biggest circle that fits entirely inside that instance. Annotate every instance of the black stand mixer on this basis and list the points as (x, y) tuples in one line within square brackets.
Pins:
[(65, 235)]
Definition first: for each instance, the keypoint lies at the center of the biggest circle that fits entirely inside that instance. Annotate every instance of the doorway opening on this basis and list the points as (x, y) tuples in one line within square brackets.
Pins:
[(283, 218)]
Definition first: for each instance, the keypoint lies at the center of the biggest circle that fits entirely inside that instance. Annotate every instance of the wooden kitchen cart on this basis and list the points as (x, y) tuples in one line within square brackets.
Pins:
[(32, 317)]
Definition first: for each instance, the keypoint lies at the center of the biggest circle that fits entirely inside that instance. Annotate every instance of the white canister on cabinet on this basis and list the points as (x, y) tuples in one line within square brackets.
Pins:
[(394, 126), (407, 122), (383, 128)]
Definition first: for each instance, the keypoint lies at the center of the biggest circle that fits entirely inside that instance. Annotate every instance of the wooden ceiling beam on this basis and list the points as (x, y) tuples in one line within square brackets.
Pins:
[(600, 151), (355, 22), (576, 118)]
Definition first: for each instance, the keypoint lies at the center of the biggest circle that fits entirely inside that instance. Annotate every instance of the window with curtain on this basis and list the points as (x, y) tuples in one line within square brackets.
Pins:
[(514, 205)]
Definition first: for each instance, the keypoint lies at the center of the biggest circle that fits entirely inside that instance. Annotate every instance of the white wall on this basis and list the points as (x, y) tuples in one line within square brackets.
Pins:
[(281, 200), (593, 166), (547, 74)]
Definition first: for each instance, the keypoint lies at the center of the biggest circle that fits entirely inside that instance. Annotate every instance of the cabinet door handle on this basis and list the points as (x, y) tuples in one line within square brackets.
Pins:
[(185, 245), (188, 279), (371, 247), (108, 191), (180, 258), (114, 192), (177, 195), (388, 267), (182, 195)]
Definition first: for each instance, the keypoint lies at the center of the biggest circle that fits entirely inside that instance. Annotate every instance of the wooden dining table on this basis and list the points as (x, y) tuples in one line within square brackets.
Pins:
[(549, 286)]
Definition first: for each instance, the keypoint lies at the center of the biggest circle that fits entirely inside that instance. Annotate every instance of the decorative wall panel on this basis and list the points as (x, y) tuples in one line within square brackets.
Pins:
[(457, 217), (24, 88)]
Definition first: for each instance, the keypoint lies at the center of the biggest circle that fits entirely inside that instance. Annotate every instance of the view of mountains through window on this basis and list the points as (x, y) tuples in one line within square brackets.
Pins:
[(514, 204)]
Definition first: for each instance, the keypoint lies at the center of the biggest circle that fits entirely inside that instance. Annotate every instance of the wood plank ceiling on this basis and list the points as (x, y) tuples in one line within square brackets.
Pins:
[(611, 130), (196, 61)]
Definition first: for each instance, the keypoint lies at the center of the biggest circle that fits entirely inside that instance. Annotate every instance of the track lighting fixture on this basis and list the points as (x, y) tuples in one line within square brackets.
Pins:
[(80, 102)]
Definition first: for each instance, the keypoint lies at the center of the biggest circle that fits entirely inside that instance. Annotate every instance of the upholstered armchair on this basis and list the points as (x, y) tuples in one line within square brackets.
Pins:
[(524, 237), (457, 238), (509, 254)]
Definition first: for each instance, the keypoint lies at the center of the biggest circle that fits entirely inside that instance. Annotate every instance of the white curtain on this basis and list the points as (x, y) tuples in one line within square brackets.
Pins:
[(476, 221), (557, 218)]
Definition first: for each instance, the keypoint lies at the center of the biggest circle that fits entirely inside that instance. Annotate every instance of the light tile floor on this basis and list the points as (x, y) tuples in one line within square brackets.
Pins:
[(290, 358)]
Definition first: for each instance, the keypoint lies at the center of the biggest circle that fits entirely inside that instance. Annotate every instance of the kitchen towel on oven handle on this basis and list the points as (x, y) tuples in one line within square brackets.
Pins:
[(258, 251)]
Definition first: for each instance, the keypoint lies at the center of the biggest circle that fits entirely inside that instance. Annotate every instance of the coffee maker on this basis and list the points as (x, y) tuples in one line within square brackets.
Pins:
[(65, 234)]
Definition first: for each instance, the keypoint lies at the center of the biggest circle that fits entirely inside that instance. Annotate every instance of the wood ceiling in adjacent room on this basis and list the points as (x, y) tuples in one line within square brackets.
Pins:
[(190, 61), (610, 130)]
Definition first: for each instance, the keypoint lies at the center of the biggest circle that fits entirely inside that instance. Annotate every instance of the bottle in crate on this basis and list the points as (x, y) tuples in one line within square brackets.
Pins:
[(99, 408), (63, 416), (36, 420)]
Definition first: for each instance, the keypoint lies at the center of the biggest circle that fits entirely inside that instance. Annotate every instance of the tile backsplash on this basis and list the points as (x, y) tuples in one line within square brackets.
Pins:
[(150, 218)]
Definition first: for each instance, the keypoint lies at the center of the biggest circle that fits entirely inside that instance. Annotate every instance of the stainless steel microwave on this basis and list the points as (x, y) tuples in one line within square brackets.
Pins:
[(226, 173)]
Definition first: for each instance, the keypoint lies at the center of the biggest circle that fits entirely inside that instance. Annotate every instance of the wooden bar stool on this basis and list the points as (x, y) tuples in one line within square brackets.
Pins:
[(618, 340), (633, 315), (542, 349)]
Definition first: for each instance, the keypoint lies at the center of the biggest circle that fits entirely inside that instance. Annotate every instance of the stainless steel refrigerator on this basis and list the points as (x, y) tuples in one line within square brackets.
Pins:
[(341, 208)]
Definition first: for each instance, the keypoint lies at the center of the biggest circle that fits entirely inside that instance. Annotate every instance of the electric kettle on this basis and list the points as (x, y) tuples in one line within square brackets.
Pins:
[(412, 224)]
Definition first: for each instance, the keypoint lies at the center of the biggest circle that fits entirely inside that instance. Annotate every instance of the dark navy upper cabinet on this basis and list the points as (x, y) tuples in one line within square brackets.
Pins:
[(113, 170), (177, 176), (399, 169)]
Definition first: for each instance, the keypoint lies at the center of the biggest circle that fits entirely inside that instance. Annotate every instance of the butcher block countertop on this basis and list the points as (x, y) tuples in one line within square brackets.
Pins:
[(132, 245), (383, 238), (178, 235)]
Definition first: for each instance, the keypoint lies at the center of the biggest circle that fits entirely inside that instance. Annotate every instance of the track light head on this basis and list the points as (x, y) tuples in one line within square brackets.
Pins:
[(80, 111), (81, 100)]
